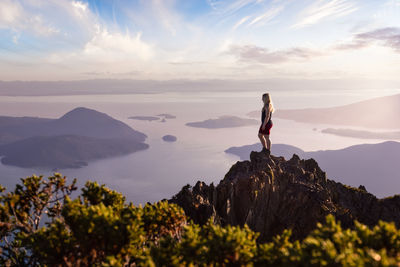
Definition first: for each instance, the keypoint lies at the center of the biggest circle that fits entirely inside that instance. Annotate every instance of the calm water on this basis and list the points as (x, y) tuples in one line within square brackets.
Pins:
[(164, 168)]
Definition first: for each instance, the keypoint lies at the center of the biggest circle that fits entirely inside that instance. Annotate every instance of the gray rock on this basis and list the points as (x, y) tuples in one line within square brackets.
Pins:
[(270, 194)]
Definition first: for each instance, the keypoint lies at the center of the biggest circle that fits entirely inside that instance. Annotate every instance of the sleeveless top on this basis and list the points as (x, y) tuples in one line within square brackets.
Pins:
[(263, 115)]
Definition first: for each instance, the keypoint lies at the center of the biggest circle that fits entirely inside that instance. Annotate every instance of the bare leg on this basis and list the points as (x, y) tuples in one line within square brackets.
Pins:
[(268, 141), (262, 139)]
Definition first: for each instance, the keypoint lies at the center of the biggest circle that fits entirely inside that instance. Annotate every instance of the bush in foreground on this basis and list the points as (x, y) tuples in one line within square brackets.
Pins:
[(40, 225)]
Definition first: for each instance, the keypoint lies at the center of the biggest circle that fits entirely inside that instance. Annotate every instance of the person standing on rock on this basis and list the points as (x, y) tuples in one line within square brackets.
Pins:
[(266, 123)]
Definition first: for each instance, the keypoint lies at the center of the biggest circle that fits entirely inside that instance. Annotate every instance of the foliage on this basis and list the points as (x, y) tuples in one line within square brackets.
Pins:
[(40, 225), (97, 228), (22, 211), (210, 245)]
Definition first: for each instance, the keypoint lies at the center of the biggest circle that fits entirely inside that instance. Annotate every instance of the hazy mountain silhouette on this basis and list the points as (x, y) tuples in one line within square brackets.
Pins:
[(278, 150), (15, 128), (223, 122), (65, 151), (88, 122), (79, 121), (392, 135), (74, 139), (373, 165), (382, 112)]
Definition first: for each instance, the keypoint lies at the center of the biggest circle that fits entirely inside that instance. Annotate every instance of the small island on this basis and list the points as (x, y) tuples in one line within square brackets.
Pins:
[(169, 138), (144, 118), (223, 122), (160, 117), (166, 116)]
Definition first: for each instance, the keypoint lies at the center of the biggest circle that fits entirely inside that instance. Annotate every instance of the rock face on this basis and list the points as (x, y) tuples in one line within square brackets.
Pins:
[(271, 194), (377, 164)]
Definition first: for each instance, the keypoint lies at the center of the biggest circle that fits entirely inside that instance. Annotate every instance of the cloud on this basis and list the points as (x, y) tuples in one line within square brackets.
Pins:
[(117, 45), (267, 16), (111, 73), (165, 15), (187, 63), (261, 18), (67, 19), (80, 8), (388, 37), (255, 54), (107, 47), (322, 9), (10, 13), (227, 7), (240, 22), (15, 17)]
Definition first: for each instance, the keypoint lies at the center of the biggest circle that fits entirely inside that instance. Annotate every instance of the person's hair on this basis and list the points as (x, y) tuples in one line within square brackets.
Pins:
[(268, 102)]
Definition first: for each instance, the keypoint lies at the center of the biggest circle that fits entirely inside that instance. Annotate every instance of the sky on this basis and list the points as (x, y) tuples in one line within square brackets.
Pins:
[(199, 39)]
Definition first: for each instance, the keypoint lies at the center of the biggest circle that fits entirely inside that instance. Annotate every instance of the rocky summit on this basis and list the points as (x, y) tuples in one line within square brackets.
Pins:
[(271, 194)]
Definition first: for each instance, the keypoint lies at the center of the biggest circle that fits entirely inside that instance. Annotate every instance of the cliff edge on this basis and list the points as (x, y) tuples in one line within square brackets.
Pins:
[(271, 194)]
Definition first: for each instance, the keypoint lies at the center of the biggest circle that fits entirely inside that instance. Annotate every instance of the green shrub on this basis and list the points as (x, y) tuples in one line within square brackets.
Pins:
[(41, 226), (210, 245), (97, 228)]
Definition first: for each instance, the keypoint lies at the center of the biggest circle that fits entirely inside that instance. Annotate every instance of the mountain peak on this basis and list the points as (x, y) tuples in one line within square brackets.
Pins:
[(82, 111), (271, 194), (88, 122)]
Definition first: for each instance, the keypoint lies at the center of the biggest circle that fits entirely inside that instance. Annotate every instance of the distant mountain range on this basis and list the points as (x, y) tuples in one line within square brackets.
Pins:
[(391, 135), (376, 113), (77, 137), (376, 166), (223, 122)]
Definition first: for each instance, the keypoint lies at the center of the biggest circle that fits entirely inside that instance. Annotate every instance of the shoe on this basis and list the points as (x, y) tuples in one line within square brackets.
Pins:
[(266, 151)]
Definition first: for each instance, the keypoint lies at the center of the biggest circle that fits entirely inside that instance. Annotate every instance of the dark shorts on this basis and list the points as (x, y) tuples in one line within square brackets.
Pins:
[(267, 128)]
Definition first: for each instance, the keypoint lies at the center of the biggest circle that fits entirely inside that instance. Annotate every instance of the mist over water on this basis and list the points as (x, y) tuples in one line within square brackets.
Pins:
[(161, 171)]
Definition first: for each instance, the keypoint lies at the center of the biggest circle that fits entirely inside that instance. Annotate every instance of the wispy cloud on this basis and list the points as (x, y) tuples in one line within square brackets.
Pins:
[(176, 38), (229, 7), (323, 9), (165, 14), (106, 47), (255, 54), (10, 13), (267, 16), (257, 18), (240, 22), (14, 16), (388, 37)]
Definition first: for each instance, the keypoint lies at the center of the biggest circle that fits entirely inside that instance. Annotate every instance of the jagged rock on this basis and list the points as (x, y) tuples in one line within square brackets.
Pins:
[(362, 187), (271, 194)]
